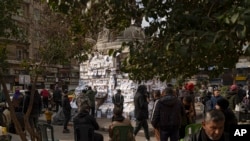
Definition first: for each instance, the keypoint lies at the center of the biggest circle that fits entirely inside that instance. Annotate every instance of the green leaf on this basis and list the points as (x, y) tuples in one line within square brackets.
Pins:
[(235, 17), (110, 52)]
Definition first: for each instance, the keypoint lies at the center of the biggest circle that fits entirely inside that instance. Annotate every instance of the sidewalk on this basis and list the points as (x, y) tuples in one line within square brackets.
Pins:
[(104, 124)]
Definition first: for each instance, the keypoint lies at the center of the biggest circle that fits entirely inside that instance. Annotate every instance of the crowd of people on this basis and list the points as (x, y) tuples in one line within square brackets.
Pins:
[(173, 110)]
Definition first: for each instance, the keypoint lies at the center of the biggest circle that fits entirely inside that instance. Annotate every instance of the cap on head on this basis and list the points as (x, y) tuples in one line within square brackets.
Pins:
[(189, 86)]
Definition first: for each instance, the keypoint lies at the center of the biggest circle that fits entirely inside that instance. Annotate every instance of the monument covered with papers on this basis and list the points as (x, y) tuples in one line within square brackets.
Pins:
[(102, 72)]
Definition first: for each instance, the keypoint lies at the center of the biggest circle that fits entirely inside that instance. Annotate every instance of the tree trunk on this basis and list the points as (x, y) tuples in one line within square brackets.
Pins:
[(12, 111)]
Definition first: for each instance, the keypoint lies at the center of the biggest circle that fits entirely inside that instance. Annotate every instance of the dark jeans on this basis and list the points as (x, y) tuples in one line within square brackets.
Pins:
[(58, 103), (92, 111), (98, 137), (144, 125), (33, 119), (67, 116), (45, 102), (173, 134)]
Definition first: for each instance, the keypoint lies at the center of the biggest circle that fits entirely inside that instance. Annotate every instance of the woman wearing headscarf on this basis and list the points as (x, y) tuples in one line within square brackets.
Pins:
[(17, 101)]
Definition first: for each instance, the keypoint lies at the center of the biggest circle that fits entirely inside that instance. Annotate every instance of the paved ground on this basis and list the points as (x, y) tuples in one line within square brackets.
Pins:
[(104, 124)]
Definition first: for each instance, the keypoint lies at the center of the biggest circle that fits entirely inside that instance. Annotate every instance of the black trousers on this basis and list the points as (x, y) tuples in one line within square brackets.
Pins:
[(142, 124), (67, 116), (58, 103), (98, 137), (45, 102), (92, 111)]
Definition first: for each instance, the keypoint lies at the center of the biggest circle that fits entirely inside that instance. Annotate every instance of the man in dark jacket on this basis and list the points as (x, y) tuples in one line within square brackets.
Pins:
[(230, 117), (57, 98), (167, 115), (241, 92), (36, 106), (83, 118), (212, 128), (118, 99), (141, 110), (91, 95), (216, 96), (66, 107)]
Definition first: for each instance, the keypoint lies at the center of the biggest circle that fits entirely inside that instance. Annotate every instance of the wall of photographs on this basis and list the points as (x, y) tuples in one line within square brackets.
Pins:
[(100, 73)]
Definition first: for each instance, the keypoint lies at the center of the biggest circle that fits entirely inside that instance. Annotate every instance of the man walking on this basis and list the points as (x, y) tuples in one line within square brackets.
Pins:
[(66, 111), (141, 111), (36, 106), (167, 115), (57, 97)]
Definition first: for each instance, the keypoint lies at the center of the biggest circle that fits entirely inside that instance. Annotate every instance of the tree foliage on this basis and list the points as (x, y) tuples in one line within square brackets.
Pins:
[(9, 27), (183, 36)]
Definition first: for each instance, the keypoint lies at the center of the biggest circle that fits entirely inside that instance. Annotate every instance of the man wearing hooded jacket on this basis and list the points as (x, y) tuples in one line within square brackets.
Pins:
[(141, 111), (167, 115)]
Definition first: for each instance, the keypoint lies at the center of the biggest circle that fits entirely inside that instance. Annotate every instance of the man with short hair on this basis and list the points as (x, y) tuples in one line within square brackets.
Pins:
[(212, 128), (167, 115), (84, 118), (216, 96)]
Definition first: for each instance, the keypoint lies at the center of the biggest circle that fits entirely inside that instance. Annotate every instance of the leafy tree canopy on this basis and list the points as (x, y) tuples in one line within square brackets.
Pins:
[(8, 27), (183, 36)]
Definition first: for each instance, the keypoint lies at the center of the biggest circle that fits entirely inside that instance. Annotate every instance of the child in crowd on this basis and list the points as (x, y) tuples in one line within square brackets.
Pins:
[(48, 115)]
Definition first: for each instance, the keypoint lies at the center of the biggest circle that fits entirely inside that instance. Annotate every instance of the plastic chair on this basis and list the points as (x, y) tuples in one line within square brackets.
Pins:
[(44, 129), (83, 133), (123, 133), (5, 137), (192, 128)]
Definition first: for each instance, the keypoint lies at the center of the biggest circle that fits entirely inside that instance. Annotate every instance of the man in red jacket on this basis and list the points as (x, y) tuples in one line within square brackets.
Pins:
[(45, 97)]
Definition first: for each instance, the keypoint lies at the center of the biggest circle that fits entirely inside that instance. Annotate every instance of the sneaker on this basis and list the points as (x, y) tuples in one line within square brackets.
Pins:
[(65, 130)]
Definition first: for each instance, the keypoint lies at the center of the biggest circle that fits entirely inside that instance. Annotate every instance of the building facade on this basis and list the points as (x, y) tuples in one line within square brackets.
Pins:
[(28, 18)]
